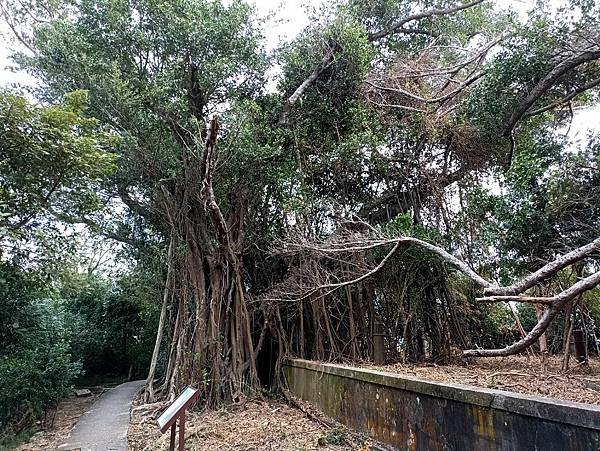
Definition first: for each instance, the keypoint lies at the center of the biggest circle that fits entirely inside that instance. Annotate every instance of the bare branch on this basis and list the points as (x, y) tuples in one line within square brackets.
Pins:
[(362, 243), (334, 286), (398, 106), (310, 80), (546, 271), (398, 90), (420, 82), (528, 299), (558, 302)]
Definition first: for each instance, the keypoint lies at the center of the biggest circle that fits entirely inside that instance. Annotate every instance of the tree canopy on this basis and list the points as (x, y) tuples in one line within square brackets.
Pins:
[(51, 159), (302, 212)]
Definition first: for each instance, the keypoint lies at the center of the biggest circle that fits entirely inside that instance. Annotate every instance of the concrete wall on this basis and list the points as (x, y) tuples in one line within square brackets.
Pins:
[(415, 414)]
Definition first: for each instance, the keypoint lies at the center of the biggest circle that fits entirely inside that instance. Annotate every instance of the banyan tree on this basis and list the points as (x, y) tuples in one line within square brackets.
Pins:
[(296, 207)]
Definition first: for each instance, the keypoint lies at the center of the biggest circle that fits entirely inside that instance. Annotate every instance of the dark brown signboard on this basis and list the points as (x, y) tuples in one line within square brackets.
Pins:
[(177, 411)]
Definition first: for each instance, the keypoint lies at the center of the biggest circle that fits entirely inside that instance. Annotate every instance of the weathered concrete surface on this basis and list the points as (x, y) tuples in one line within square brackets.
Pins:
[(104, 426), (416, 414)]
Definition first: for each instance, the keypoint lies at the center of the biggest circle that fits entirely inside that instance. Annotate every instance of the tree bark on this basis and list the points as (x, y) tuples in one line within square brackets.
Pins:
[(211, 343)]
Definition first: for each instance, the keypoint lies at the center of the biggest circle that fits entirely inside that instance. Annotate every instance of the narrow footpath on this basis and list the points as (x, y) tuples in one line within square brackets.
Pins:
[(104, 426)]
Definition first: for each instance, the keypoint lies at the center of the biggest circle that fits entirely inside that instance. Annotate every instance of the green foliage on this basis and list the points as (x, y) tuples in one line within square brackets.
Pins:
[(330, 124), (340, 34), (515, 69), (336, 436), (50, 159), (149, 55), (526, 56), (35, 379), (383, 14), (495, 326), (547, 198), (36, 366), (56, 330), (17, 289), (113, 323), (592, 301), (527, 316)]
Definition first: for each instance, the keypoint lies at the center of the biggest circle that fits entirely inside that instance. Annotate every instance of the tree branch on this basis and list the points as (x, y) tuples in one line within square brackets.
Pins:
[(546, 83), (558, 302), (397, 27), (528, 299), (546, 271), (133, 204), (335, 286), (94, 226), (396, 242), (592, 84), (307, 83)]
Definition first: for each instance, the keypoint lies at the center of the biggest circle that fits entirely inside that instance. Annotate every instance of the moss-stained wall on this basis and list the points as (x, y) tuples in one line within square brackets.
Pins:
[(415, 414)]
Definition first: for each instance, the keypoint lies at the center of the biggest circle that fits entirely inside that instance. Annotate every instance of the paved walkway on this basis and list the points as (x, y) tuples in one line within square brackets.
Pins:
[(104, 426)]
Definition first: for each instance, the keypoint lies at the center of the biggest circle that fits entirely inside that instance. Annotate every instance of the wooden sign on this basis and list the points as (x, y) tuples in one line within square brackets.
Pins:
[(177, 411)]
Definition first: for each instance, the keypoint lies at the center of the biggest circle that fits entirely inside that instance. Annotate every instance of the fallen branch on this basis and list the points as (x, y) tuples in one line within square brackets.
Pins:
[(546, 271), (528, 299), (345, 245), (550, 312)]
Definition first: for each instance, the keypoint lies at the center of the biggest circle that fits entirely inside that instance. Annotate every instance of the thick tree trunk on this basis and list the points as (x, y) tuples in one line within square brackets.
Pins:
[(211, 343)]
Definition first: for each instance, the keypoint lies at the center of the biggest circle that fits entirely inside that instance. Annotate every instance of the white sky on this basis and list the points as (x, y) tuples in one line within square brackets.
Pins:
[(7, 77)]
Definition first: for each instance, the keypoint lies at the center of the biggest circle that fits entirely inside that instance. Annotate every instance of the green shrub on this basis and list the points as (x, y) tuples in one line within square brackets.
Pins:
[(35, 379), (36, 367)]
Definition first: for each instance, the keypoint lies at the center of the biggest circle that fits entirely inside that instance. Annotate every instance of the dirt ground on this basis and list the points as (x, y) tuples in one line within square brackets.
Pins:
[(274, 425), (253, 425), (523, 374), (59, 422)]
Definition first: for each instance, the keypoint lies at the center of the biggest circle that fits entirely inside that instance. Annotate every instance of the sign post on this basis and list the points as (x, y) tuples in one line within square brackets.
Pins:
[(176, 411)]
